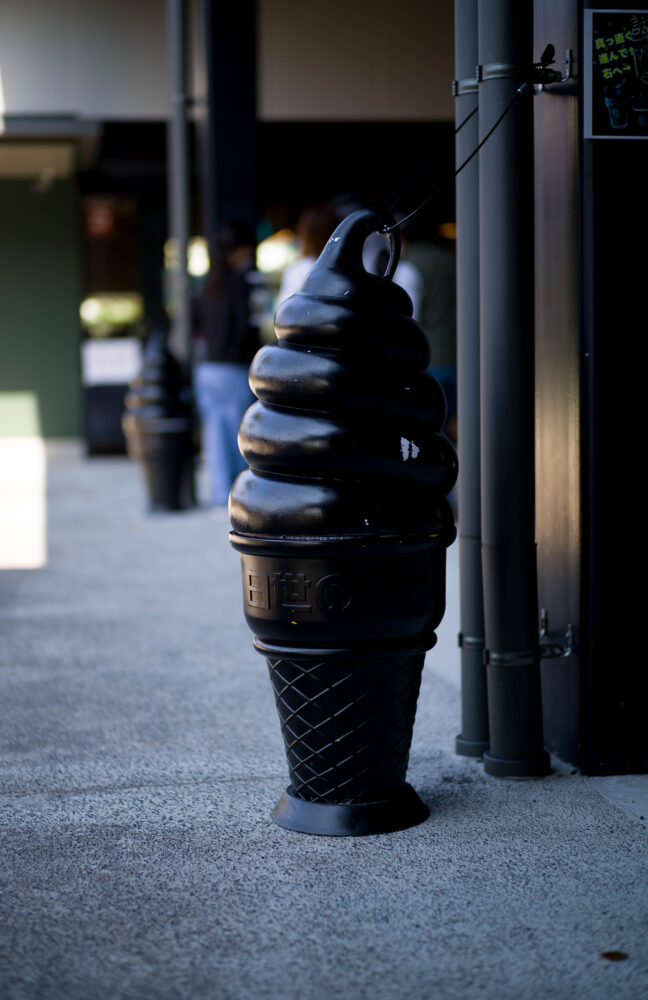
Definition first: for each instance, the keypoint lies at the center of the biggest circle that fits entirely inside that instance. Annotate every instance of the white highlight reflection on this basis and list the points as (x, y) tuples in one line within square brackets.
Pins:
[(23, 532)]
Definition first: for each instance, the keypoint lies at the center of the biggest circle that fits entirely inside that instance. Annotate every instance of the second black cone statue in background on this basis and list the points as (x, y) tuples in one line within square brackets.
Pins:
[(159, 428), (342, 526)]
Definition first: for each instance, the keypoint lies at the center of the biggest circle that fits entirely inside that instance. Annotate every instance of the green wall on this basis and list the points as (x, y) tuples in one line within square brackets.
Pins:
[(40, 383)]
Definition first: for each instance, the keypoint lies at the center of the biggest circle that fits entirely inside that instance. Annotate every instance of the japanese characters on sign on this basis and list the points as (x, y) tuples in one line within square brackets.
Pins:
[(616, 92)]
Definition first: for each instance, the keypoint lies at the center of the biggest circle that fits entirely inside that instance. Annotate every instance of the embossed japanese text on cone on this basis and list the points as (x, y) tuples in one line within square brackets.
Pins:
[(342, 526)]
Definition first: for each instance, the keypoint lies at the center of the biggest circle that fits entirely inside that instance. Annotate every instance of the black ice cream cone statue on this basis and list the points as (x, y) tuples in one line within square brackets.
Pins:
[(342, 526), (159, 428)]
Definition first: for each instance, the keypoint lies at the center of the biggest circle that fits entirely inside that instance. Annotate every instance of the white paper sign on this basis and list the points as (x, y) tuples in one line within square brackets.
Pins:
[(110, 362)]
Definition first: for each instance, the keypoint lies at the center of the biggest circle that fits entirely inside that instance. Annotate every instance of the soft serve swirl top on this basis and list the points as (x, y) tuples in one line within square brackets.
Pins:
[(346, 435)]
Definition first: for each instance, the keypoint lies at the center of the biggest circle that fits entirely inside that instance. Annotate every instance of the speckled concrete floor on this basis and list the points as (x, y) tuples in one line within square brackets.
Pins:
[(140, 759)]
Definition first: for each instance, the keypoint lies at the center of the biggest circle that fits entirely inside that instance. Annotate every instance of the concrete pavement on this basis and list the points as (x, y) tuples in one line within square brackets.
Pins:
[(141, 757)]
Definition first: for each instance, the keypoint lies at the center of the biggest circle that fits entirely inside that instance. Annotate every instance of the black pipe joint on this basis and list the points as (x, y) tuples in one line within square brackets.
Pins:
[(342, 523), (160, 428)]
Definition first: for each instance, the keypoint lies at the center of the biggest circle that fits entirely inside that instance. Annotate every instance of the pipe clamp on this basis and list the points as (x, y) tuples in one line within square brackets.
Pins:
[(517, 658), (496, 71), (470, 641), (462, 87)]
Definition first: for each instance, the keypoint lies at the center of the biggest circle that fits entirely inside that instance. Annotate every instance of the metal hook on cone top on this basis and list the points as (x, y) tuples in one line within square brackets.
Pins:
[(343, 252)]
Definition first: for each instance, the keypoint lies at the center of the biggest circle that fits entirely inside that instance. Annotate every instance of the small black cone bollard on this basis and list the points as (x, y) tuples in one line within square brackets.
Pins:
[(160, 430), (342, 525)]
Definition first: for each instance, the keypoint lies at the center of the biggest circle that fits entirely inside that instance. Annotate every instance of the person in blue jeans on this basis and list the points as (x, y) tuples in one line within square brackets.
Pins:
[(229, 342)]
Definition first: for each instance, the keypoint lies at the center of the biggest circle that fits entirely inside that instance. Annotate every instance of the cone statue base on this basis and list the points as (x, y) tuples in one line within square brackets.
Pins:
[(354, 819), (347, 718)]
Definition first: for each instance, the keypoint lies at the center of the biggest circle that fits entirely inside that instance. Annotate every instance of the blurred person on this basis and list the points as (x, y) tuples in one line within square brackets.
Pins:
[(437, 314), (221, 318), (314, 226)]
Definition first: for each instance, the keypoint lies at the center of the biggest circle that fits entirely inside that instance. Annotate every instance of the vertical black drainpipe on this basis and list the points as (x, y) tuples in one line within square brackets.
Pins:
[(507, 388), (178, 178), (473, 740)]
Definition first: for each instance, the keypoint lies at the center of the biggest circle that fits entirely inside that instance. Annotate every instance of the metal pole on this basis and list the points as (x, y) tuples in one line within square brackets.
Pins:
[(178, 182), (507, 395), (473, 740), (227, 134), (209, 134)]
